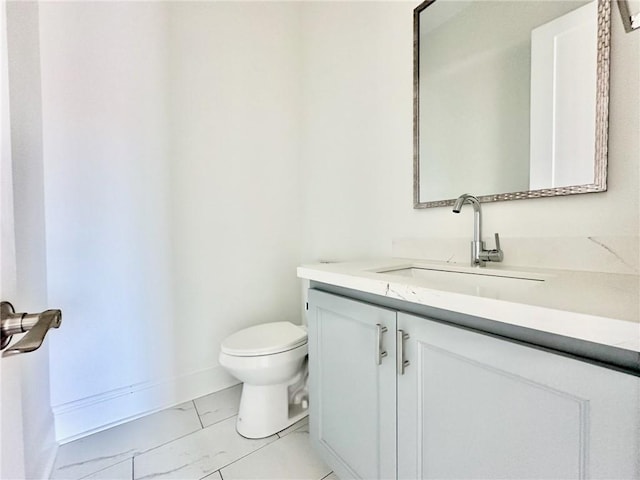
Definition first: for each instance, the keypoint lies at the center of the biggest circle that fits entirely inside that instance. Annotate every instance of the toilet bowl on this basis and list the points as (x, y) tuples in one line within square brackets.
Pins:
[(271, 361)]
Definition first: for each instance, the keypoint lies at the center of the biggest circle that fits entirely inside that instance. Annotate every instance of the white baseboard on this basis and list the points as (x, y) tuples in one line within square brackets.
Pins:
[(85, 416)]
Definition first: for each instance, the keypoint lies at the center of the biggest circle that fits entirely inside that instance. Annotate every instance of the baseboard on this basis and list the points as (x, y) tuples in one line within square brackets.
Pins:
[(85, 416)]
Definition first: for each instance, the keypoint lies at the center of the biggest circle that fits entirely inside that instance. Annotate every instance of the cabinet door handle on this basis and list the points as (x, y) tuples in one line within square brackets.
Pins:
[(402, 363), (380, 329)]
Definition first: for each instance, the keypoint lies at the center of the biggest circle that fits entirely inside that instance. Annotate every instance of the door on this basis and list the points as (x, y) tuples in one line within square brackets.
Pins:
[(352, 386), (476, 406), (563, 104), (12, 444), (27, 440)]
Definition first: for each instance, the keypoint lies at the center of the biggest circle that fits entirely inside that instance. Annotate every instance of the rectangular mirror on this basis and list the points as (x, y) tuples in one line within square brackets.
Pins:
[(510, 99)]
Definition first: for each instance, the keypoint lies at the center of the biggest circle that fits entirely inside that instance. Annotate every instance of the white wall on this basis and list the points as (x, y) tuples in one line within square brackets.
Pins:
[(357, 138), (171, 163), (357, 156), (463, 135), (105, 124), (234, 171)]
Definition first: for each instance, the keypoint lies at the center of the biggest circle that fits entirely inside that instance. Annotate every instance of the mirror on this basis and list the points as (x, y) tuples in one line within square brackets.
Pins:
[(510, 99)]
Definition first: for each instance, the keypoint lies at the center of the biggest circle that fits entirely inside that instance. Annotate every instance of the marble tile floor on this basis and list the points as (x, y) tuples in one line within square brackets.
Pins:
[(194, 440)]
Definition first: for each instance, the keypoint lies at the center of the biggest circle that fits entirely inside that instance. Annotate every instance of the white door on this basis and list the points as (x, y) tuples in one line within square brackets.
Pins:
[(564, 59), (27, 441), (12, 444)]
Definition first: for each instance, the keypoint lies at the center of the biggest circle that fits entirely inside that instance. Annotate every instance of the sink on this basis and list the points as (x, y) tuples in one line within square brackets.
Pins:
[(476, 275)]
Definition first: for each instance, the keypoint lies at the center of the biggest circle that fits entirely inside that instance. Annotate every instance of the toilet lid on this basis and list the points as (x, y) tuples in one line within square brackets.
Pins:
[(265, 339)]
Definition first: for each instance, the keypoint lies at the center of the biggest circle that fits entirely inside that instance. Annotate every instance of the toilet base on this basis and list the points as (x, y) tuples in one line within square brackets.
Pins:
[(265, 410)]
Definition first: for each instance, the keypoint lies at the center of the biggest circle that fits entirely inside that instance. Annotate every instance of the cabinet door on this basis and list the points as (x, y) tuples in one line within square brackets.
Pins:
[(352, 394), (474, 406)]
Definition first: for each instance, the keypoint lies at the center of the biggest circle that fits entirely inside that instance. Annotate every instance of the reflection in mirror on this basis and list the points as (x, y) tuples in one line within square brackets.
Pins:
[(511, 99)]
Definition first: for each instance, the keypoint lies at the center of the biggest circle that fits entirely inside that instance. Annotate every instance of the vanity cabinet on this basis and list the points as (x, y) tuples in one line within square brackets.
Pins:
[(468, 404), (353, 386)]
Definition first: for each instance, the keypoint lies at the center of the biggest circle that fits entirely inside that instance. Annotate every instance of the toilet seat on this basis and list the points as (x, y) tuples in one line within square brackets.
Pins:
[(265, 339)]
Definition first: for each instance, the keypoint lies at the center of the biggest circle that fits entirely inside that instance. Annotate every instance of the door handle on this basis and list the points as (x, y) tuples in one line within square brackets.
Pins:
[(380, 329), (35, 324), (402, 363)]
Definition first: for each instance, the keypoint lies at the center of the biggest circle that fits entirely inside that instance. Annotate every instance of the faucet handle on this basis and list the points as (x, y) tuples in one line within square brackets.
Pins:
[(496, 255)]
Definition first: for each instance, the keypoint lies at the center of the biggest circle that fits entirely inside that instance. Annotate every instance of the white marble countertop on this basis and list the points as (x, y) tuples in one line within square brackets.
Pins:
[(603, 308)]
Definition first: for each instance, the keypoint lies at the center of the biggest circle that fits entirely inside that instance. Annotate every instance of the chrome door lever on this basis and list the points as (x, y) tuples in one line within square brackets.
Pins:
[(35, 324)]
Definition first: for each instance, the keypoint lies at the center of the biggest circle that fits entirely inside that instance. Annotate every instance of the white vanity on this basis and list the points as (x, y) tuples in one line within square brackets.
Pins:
[(434, 370), (425, 369)]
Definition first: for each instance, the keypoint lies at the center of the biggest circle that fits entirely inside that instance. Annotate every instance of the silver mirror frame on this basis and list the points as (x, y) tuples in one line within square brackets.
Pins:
[(602, 120)]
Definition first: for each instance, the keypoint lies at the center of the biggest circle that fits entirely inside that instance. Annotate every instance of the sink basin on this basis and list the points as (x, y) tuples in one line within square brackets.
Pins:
[(466, 274)]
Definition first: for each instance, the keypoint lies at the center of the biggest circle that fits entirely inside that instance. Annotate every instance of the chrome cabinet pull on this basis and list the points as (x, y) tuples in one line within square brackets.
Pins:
[(35, 324), (402, 363), (380, 329)]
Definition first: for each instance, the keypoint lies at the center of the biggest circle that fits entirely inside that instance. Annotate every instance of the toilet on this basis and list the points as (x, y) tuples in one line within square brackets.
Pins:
[(271, 360)]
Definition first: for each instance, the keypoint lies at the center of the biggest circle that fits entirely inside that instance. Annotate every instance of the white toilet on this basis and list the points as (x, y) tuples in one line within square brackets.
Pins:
[(271, 360)]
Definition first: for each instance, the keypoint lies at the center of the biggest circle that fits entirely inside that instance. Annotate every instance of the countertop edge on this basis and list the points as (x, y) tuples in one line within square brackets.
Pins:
[(596, 329)]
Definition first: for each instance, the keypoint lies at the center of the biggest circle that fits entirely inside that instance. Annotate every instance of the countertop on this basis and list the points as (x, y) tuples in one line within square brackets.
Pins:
[(602, 308)]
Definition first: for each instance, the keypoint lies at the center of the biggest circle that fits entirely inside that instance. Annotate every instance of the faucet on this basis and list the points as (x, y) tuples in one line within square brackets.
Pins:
[(479, 255)]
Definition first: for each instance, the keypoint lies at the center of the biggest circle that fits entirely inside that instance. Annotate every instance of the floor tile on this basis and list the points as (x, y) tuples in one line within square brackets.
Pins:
[(101, 450), (300, 424), (291, 457), (219, 405), (197, 455), (120, 471)]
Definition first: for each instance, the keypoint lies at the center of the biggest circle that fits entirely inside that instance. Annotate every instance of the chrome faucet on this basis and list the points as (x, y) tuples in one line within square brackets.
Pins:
[(479, 255)]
